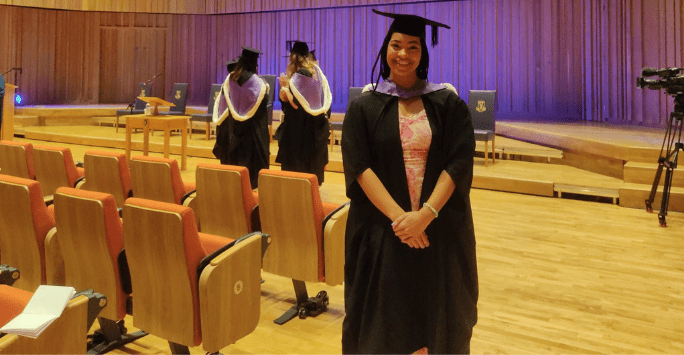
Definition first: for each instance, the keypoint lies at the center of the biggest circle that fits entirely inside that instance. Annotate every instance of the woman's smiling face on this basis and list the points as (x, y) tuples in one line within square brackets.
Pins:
[(403, 54)]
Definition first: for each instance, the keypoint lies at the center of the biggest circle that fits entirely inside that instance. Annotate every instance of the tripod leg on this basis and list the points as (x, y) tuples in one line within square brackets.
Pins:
[(668, 185), (654, 188), (666, 198)]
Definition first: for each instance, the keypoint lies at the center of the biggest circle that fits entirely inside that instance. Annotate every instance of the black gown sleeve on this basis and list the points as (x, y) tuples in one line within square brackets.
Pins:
[(458, 131), (356, 151)]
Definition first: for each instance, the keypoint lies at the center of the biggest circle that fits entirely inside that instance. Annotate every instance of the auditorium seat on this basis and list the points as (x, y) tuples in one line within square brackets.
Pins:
[(207, 117), (482, 105), (190, 288), (179, 97), (107, 172), (159, 179), (66, 334), (55, 168), (16, 159), (307, 235), (138, 106), (25, 224), (224, 202), (90, 237)]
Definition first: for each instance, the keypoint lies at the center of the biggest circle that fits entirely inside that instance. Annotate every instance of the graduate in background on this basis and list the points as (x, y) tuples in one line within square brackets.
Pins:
[(305, 97), (242, 136), (410, 282)]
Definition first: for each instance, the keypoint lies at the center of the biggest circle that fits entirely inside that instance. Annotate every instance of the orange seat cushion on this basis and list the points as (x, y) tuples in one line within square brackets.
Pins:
[(12, 302)]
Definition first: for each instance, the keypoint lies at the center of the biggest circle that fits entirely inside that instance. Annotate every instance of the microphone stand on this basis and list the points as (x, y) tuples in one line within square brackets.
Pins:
[(132, 104)]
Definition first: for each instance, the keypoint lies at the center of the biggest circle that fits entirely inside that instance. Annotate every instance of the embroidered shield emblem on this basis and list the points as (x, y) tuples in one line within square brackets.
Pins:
[(142, 92), (177, 94), (481, 106)]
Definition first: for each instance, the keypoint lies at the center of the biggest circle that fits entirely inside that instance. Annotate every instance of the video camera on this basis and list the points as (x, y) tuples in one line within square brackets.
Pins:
[(670, 80)]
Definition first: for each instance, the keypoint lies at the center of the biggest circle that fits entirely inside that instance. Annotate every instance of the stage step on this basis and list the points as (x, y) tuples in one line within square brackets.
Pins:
[(513, 184), (635, 195), (613, 193), (21, 121), (644, 173)]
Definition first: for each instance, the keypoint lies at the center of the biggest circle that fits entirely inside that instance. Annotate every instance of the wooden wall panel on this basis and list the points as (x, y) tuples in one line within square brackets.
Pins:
[(194, 6)]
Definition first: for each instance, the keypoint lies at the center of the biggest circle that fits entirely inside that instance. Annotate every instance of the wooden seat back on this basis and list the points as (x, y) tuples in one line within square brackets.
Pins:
[(24, 224), (90, 237), (157, 179), (224, 200), (16, 159), (291, 213), (107, 172), (54, 168), (163, 257)]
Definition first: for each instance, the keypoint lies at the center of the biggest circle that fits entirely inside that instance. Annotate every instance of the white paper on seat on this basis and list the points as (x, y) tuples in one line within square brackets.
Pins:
[(46, 305)]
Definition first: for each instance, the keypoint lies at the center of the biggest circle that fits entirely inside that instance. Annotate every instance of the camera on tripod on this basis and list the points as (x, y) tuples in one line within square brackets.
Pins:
[(670, 80)]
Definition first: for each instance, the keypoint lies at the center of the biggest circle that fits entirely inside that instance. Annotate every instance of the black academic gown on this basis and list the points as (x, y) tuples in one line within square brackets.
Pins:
[(245, 143), (303, 139), (399, 299)]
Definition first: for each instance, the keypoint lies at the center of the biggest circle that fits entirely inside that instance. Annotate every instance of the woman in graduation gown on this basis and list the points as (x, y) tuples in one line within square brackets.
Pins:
[(305, 97), (242, 136), (407, 146)]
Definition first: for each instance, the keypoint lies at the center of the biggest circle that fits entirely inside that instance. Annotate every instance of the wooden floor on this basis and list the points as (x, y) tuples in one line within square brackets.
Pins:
[(556, 276)]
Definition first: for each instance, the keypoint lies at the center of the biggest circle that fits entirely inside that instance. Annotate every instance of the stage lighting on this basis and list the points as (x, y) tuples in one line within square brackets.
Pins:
[(18, 99)]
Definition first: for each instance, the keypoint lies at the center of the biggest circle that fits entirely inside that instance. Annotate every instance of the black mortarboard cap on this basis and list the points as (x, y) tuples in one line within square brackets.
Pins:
[(230, 65), (299, 47), (412, 25), (250, 53)]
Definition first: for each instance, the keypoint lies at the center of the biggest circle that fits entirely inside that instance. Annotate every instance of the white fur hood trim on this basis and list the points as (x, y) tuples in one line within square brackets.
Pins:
[(327, 95)]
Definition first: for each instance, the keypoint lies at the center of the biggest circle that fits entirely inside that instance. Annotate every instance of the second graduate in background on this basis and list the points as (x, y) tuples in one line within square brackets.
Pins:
[(242, 136), (305, 97)]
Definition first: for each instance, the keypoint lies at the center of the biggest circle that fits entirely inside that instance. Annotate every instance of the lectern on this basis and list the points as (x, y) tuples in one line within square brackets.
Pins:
[(7, 130), (155, 102)]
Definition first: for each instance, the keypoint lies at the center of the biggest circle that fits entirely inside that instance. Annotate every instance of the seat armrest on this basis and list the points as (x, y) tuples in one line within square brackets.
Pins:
[(334, 227), (8, 275), (49, 199), (187, 194), (79, 182), (66, 335), (265, 242), (230, 293), (96, 302), (54, 261)]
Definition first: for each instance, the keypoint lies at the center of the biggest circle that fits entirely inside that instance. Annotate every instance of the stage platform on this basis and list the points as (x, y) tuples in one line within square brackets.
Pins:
[(606, 163)]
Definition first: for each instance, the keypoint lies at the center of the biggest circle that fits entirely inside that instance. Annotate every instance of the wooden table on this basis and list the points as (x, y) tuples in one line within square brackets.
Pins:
[(157, 123)]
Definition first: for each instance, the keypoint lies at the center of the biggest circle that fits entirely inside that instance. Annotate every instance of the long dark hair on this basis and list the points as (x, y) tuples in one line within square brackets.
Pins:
[(421, 71), (242, 66)]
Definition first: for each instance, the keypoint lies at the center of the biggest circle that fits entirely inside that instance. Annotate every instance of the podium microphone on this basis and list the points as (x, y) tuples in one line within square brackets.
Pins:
[(154, 77)]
